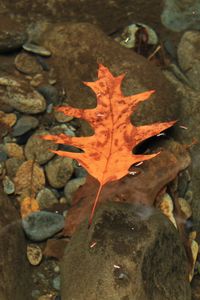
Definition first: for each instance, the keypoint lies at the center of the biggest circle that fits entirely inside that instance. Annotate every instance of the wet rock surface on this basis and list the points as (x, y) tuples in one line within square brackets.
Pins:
[(15, 272), (44, 58), (130, 247)]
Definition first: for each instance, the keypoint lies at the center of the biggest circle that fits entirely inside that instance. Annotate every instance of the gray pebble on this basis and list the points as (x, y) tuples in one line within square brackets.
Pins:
[(50, 93), (11, 41), (27, 63), (72, 186), (56, 283), (3, 155), (24, 124), (33, 48), (8, 186), (37, 148), (42, 225)]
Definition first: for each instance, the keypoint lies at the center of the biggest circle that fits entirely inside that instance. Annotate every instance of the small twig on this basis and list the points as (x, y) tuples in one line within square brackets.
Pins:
[(154, 52)]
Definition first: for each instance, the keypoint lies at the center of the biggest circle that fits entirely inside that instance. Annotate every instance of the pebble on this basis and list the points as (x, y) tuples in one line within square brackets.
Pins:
[(37, 80), (71, 187), (185, 207), (35, 293), (27, 63), (64, 128), (42, 225), (14, 150), (59, 170), (34, 254), (8, 119), (24, 124), (11, 40), (3, 155), (33, 48), (46, 198), (12, 165), (50, 93), (56, 283), (57, 269), (8, 186), (167, 207), (61, 117), (37, 148), (21, 96), (79, 171), (46, 297)]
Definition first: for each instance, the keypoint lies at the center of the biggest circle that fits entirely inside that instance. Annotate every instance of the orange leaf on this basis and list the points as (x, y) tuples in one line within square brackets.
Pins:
[(28, 206), (108, 154)]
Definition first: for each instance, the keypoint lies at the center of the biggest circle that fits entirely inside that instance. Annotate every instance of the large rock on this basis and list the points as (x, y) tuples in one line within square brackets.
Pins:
[(110, 15), (129, 252), (179, 15), (15, 273), (76, 50)]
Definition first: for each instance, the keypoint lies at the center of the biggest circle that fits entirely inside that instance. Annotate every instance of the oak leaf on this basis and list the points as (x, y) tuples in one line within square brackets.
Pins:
[(108, 153)]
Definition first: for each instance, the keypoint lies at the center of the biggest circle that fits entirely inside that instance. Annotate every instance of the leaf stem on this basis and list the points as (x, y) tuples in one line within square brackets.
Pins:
[(94, 205)]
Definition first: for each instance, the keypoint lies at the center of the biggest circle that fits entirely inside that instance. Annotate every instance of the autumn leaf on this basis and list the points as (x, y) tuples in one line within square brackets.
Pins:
[(28, 181), (108, 153), (28, 205)]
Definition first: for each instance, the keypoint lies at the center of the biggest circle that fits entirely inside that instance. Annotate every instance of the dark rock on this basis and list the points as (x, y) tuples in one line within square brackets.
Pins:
[(24, 124), (93, 46), (178, 15), (3, 155), (12, 35), (129, 252), (15, 273), (42, 225), (50, 93)]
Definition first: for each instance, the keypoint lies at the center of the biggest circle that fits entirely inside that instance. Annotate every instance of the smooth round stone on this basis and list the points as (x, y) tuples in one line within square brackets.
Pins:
[(38, 149), (8, 186), (8, 119), (37, 80), (3, 155), (50, 93), (21, 96), (34, 254), (61, 117), (46, 198), (72, 186), (14, 150), (56, 283), (27, 63), (59, 170), (11, 40), (33, 48), (12, 165), (42, 225), (24, 124)]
